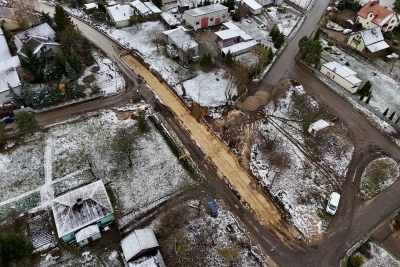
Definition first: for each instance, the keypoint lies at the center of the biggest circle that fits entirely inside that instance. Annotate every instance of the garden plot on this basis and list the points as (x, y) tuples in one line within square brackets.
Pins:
[(384, 88), (380, 258), (377, 176), (301, 171), (285, 21), (255, 32), (306, 4)]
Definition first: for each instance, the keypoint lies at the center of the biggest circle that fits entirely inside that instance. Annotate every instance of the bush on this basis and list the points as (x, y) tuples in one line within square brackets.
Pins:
[(89, 79), (356, 260), (13, 248), (331, 43), (359, 25)]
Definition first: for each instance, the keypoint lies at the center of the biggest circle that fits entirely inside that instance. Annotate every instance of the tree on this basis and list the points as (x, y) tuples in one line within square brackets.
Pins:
[(2, 139), (26, 122), (13, 248), (365, 90), (228, 59), (230, 4), (123, 143), (392, 116), (310, 50), (367, 101), (70, 72), (356, 260), (142, 122), (206, 59), (61, 19), (46, 18), (279, 40), (386, 112), (32, 63), (157, 3)]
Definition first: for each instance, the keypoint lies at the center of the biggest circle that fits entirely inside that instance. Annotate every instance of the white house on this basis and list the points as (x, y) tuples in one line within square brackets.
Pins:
[(374, 15), (342, 75), (205, 16), (318, 127), (120, 15), (181, 44), (252, 5), (231, 35), (40, 39)]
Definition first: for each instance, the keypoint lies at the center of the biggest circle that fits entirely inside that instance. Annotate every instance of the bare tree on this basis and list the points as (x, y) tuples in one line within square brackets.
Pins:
[(26, 12), (123, 143)]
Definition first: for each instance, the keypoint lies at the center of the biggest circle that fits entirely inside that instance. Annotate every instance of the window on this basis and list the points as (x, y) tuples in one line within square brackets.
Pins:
[(370, 15), (391, 27), (99, 222), (367, 22), (392, 21), (211, 19), (197, 23), (223, 16)]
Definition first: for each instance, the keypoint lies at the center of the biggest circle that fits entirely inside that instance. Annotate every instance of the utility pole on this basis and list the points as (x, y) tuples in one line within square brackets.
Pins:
[(115, 77)]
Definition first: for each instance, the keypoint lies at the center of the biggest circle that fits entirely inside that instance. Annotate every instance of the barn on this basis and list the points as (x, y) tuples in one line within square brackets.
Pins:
[(206, 16)]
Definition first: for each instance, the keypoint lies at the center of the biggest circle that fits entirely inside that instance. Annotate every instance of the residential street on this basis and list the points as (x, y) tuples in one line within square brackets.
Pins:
[(352, 221)]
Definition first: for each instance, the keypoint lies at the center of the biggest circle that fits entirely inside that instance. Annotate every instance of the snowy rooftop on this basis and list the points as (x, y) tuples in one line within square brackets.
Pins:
[(239, 47), (227, 34), (4, 51), (69, 216), (170, 19), (148, 261), (8, 73), (6, 12), (42, 31), (319, 125), (120, 13), (87, 232), (371, 36), (141, 7), (181, 39), (138, 241), (377, 46), (381, 13), (206, 10), (252, 4), (341, 70), (90, 5), (152, 7), (231, 26), (111, 3)]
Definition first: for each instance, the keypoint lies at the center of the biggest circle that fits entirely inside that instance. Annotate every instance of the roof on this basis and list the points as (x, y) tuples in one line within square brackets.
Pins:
[(138, 241), (239, 47), (42, 31), (141, 7), (377, 46), (182, 40), (4, 50), (381, 13), (373, 39), (8, 73), (353, 80), (227, 34), (6, 12), (152, 7), (232, 26), (69, 216), (90, 5), (148, 261), (319, 125), (120, 12), (169, 19), (341, 70), (86, 232), (252, 4), (206, 10)]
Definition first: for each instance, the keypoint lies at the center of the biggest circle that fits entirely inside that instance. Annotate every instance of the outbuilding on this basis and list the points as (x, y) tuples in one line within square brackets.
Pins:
[(252, 5), (138, 242), (203, 17), (318, 127), (239, 48), (170, 20), (120, 15), (342, 75), (231, 35)]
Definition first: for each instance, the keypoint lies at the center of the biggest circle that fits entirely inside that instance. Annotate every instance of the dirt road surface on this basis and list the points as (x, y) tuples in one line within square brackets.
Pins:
[(218, 153)]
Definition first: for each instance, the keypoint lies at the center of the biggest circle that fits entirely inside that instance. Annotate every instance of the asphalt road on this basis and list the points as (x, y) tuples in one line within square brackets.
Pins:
[(353, 219)]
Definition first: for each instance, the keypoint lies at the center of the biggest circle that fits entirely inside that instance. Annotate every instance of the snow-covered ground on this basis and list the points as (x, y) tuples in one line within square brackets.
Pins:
[(285, 21), (388, 3), (306, 4), (380, 258), (301, 184)]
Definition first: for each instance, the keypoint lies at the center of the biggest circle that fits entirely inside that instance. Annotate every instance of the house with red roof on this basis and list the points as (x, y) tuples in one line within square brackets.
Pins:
[(374, 15)]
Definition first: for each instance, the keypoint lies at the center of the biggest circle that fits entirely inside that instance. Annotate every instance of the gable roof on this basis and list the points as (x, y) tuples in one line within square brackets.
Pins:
[(169, 19), (373, 39), (138, 241), (8, 73), (120, 12), (343, 72), (205, 10), (381, 13), (69, 216), (42, 31), (182, 40)]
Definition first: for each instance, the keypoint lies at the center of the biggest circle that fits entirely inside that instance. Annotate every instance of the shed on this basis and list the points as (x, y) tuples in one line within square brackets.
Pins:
[(318, 127), (230, 35), (206, 16), (138, 243), (140, 8), (239, 48), (120, 15), (90, 6), (170, 20), (342, 75), (252, 5), (82, 207), (155, 10)]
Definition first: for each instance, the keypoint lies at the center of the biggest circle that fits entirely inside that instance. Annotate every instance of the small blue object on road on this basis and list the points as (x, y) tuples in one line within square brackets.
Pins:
[(213, 208)]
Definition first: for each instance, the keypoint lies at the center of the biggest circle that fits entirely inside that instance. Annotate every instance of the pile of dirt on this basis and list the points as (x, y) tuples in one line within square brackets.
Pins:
[(254, 102)]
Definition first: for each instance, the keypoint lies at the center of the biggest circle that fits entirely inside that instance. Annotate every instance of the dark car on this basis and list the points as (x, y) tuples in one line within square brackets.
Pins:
[(8, 119)]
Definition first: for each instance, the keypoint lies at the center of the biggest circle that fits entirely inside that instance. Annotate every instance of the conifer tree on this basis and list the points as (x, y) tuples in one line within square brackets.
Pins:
[(46, 18), (61, 19), (70, 72), (386, 112)]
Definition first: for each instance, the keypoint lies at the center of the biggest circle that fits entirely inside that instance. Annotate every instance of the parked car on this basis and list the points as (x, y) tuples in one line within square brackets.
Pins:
[(350, 21), (213, 208), (8, 119), (347, 31), (333, 203)]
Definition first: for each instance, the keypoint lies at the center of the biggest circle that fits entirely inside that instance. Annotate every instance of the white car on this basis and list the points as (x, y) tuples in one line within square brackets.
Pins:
[(333, 203), (347, 31), (350, 21)]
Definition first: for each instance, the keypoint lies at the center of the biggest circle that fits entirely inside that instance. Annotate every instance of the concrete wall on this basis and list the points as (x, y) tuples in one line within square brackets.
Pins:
[(339, 80)]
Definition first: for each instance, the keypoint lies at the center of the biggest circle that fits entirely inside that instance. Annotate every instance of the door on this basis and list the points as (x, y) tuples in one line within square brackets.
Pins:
[(217, 21), (204, 22), (90, 239)]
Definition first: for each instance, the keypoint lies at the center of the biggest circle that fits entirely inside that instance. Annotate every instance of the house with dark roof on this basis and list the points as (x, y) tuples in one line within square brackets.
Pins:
[(79, 214), (40, 39), (371, 40), (374, 15)]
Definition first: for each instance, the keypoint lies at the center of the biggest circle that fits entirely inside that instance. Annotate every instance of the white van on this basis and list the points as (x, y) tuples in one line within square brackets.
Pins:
[(347, 31), (333, 203)]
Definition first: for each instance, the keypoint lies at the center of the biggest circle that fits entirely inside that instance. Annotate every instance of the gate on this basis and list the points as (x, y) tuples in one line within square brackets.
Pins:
[(204, 22), (217, 21)]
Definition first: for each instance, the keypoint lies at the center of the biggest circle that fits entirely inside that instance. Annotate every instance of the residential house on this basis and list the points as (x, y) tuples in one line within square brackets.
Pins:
[(79, 214), (40, 39), (206, 16), (318, 127), (254, 7), (231, 34), (138, 243), (145, 9), (169, 19), (180, 44), (120, 15), (8, 72), (342, 75), (371, 40), (8, 20), (374, 15)]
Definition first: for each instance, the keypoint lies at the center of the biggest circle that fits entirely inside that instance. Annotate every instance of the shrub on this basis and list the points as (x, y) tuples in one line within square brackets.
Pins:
[(89, 79), (331, 43), (359, 25), (356, 260)]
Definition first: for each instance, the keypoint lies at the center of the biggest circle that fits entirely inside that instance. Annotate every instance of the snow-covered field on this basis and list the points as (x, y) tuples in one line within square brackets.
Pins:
[(285, 21), (300, 183), (306, 4), (380, 258)]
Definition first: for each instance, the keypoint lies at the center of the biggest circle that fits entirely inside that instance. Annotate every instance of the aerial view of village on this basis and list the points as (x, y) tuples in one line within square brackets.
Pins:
[(168, 133)]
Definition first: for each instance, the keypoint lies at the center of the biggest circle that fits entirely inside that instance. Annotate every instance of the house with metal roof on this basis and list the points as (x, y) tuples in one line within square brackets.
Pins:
[(79, 214), (373, 15), (180, 44), (206, 16), (40, 39), (120, 15), (138, 242), (371, 40), (254, 7), (231, 34), (170, 20), (342, 75)]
